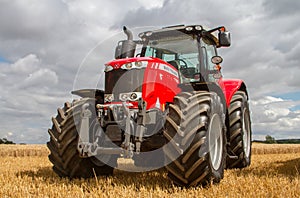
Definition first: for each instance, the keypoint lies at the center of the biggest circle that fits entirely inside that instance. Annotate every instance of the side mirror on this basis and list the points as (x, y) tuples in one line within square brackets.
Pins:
[(224, 39)]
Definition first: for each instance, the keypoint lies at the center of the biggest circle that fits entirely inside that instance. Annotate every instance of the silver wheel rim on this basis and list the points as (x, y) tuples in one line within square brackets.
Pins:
[(215, 141), (246, 132)]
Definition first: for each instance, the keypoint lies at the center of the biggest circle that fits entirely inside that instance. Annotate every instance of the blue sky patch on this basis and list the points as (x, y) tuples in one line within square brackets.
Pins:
[(289, 96), (3, 60), (294, 96), (295, 108)]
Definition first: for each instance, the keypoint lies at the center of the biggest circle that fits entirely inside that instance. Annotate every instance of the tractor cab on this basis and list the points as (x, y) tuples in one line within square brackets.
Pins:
[(188, 48), (168, 57)]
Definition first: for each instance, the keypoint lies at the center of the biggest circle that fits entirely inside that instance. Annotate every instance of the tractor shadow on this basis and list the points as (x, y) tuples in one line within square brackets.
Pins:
[(128, 174), (137, 180), (288, 168), (147, 180), (41, 173)]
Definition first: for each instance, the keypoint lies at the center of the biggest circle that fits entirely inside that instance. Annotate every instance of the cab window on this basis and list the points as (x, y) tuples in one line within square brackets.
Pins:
[(209, 50)]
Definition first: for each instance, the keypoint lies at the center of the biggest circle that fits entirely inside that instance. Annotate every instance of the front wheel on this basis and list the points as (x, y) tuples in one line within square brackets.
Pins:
[(196, 131), (63, 145)]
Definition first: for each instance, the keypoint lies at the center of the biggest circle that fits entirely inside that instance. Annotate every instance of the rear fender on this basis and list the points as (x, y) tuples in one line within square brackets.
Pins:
[(231, 86)]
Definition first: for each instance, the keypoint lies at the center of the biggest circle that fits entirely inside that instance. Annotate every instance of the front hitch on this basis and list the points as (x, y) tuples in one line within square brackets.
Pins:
[(85, 147)]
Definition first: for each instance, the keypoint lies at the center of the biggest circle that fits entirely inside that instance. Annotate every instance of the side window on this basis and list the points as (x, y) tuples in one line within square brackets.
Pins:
[(168, 57), (153, 52), (209, 51), (150, 52)]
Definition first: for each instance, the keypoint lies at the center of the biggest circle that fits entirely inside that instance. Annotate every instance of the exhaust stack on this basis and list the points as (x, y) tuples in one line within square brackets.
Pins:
[(128, 33), (126, 48)]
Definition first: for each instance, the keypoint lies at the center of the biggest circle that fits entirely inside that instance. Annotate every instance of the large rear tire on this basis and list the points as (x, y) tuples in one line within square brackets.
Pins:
[(240, 131), (196, 131), (63, 145)]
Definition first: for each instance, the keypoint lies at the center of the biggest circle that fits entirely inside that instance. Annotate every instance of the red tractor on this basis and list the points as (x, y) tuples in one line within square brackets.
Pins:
[(165, 105)]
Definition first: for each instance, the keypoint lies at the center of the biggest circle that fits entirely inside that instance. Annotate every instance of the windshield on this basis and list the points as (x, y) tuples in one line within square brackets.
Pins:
[(181, 52)]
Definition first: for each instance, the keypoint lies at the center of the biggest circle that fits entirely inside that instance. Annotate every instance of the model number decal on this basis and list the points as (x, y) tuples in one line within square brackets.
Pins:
[(168, 69)]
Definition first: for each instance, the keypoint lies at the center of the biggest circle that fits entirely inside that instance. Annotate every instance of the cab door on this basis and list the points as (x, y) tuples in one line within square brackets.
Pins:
[(210, 71)]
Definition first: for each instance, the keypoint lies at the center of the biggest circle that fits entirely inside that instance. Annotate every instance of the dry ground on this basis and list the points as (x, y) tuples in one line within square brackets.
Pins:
[(26, 172)]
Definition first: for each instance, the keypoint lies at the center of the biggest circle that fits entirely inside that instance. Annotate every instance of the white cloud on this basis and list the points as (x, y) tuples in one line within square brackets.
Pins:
[(42, 77), (151, 4), (273, 115), (46, 41), (27, 64), (28, 97)]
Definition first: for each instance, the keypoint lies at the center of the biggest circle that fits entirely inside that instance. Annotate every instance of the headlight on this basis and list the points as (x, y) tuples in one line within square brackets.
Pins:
[(108, 97), (108, 68), (127, 66), (149, 33), (135, 65), (198, 27), (134, 96), (189, 28), (124, 97), (138, 64)]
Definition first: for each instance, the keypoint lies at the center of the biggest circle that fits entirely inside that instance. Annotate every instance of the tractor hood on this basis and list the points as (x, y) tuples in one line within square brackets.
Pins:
[(151, 79)]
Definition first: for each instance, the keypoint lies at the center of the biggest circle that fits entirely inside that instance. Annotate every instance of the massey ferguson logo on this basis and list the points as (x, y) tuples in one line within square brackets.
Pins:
[(165, 68), (168, 69)]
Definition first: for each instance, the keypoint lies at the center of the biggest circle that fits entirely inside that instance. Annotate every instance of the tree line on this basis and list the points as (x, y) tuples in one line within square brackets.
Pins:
[(271, 140), (5, 141)]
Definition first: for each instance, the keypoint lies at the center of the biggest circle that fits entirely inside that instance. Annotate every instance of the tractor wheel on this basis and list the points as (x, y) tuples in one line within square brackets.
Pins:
[(196, 131), (240, 131), (63, 145)]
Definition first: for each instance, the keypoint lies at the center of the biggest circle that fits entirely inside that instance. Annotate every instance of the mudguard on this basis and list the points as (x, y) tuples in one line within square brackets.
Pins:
[(230, 86)]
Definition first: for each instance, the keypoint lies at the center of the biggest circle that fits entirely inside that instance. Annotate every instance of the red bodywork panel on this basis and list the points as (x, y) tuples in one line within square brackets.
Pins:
[(229, 87), (161, 79), (160, 83)]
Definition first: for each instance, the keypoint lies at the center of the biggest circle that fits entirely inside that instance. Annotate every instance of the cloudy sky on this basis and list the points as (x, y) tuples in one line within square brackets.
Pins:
[(49, 47)]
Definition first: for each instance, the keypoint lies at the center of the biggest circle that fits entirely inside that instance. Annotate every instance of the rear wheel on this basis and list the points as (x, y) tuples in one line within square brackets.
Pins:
[(195, 129), (63, 145), (240, 131)]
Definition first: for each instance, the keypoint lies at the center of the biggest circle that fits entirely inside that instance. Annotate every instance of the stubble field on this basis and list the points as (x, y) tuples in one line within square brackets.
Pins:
[(26, 172)]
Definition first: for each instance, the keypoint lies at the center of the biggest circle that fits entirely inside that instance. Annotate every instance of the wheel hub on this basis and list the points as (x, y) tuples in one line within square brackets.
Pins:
[(215, 141), (246, 132)]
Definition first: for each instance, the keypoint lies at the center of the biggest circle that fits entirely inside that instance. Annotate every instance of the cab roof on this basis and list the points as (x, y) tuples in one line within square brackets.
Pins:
[(177, 31)]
